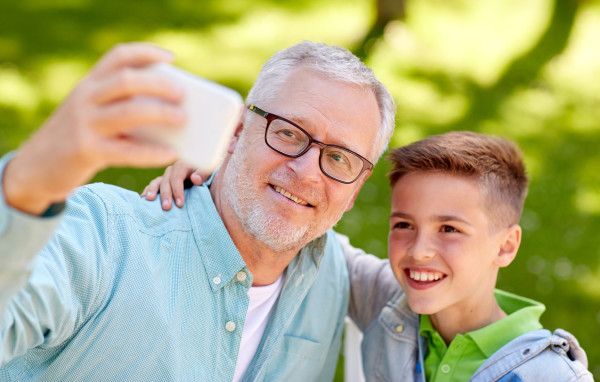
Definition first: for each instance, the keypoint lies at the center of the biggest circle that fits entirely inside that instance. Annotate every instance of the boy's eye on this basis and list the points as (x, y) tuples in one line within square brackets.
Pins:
[(448, 229), (402, 225)]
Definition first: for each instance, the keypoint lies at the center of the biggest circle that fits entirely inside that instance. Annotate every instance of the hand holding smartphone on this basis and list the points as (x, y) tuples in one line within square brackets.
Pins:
[(213, 112)]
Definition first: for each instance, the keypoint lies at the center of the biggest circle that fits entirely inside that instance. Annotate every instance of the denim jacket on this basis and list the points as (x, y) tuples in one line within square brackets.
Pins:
[(393, 350)]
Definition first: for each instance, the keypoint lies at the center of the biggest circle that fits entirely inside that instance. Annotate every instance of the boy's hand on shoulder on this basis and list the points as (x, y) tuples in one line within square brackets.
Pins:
[(172, 183)]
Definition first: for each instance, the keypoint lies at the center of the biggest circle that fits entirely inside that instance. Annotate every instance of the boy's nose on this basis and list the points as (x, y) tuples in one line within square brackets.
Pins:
[(422, 249)]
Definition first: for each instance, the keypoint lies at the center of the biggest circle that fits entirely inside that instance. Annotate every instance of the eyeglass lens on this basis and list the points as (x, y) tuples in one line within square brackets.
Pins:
[(336, 162)]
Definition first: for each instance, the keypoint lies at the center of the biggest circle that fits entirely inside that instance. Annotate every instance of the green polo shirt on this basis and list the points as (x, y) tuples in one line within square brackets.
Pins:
[(466, 353)]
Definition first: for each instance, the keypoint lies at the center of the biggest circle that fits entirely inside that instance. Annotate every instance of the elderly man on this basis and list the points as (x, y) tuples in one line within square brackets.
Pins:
[(247, 282)]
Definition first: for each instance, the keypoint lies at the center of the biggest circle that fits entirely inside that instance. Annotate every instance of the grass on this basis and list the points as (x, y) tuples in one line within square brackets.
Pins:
[(524, 70)]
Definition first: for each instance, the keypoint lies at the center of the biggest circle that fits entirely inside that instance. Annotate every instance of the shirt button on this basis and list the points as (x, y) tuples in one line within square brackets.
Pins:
[(230, 326), (241, 276), (445, 368), (399, 329), (217, 280)]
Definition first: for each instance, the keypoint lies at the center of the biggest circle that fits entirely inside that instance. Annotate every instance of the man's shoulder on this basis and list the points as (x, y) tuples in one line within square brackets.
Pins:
[(107, 194), (94, 193), (116, 199), (100, 199)]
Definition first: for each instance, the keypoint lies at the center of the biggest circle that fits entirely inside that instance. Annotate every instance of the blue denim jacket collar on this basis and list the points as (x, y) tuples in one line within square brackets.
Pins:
[(530, 356), (527, 356)]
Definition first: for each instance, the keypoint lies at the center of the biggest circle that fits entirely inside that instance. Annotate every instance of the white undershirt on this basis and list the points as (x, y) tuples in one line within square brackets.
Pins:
[(262, 299)]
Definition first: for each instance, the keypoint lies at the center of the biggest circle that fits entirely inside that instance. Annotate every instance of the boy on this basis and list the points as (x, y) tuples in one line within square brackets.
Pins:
[(456, 202)]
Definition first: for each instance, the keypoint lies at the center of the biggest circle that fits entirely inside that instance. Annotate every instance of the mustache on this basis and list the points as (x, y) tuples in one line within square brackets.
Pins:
[(292, 183)]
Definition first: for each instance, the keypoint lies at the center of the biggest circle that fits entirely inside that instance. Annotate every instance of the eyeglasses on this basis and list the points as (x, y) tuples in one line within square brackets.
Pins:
[(291, 140)]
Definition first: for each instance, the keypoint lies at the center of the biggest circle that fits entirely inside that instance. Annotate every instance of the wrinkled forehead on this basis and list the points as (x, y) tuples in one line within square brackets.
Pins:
[(332, 111)]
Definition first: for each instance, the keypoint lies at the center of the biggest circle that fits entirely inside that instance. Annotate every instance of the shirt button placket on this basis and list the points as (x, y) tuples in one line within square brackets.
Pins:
[(241, 276), (230, 326)]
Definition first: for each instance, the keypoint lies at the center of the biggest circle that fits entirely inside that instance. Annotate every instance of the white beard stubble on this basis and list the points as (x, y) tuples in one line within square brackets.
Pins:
[(268, 227)]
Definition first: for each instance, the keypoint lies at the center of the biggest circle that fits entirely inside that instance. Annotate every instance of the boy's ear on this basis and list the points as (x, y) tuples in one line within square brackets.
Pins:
[(236, 134), (509, 246)]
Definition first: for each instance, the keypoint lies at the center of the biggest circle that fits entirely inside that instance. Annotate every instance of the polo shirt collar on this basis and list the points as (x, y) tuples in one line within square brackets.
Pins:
[(523, 316)]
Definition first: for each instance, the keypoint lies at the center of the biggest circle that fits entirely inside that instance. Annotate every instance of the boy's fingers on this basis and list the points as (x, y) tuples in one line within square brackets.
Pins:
[(197, 178), (177, 189), (181, 171), (166, 194), (166, 204), (152, 189)]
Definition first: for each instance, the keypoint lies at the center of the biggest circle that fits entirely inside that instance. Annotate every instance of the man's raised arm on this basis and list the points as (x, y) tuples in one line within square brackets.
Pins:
[(89, 131)]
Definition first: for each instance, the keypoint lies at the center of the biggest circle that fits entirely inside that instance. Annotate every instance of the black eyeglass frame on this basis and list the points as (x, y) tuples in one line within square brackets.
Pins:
[(270, 117)]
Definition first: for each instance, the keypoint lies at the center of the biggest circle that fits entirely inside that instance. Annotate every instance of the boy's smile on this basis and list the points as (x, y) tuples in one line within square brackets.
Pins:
[(442, 248), (422, 279)]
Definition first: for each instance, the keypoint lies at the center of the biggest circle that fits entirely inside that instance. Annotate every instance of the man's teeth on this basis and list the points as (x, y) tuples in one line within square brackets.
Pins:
[(425, 276), (290, 196)]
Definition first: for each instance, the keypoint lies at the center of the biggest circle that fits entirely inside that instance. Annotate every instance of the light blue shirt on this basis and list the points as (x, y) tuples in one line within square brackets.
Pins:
[(124, 291)]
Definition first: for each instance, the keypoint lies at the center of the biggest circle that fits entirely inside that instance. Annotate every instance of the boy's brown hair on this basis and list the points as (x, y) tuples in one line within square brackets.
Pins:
[(496, 164)]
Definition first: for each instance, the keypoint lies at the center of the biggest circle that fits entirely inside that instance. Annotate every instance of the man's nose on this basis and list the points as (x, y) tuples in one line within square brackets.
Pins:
[(307, 166)]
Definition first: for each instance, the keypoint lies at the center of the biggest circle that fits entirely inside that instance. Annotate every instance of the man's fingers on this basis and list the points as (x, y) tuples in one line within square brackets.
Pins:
[(133, 81), (90, 130), (131, 153), (120, 118), (131, 54)]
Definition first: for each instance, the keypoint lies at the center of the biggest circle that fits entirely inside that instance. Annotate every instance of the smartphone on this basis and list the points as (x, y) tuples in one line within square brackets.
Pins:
[(213, 112)]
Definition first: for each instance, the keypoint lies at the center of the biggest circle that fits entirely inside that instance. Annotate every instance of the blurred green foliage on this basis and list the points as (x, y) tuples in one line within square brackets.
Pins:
[(529, 71)]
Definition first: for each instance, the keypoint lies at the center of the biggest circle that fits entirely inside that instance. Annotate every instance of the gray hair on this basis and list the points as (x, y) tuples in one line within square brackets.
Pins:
[(335, 63)]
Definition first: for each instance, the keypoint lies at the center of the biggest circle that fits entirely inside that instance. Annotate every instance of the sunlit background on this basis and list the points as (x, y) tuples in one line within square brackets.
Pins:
[(528, 70)]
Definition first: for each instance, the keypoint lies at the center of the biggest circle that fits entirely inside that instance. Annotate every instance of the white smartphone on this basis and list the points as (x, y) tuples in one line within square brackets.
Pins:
[(213, 112)]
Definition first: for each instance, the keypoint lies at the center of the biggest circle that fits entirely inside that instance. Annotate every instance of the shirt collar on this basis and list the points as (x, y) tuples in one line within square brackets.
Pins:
[(316, 248), (523, 316), (221, 258), (210, 231)]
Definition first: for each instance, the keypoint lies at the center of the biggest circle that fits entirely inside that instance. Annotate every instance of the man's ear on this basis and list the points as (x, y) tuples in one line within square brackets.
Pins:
[(236, 135), (359, 185), (509, 246)]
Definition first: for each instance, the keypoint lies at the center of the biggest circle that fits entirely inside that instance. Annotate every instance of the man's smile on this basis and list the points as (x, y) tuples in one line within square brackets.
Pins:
[(290, 196)]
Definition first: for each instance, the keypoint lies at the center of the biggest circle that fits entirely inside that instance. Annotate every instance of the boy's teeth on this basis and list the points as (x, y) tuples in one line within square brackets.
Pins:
[(425, 276), (290, 196)]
